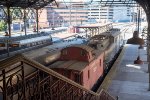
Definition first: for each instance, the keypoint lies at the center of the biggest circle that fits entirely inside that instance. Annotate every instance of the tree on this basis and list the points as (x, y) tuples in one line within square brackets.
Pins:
[(3, 26)]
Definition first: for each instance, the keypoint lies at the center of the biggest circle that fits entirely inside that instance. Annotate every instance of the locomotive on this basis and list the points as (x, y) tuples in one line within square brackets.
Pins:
[(86, 63)]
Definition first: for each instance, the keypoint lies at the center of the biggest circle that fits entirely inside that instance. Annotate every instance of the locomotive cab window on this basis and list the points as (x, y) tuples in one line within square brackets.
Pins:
[(64, 52), (77, 77)]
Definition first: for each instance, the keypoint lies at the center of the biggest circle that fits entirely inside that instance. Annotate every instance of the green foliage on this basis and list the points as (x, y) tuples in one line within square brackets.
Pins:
[(3, 26)]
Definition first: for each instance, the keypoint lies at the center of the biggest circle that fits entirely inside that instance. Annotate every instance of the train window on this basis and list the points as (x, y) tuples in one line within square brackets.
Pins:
[(83, 53), (64, 52), (2, 44), (88, 74), (66, 74), (77, 77)]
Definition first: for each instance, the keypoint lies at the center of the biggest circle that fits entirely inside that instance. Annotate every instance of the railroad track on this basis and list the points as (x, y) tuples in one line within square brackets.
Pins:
[(22, 50)]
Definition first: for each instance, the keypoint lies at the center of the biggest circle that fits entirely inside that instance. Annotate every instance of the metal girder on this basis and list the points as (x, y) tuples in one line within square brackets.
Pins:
[(37, 4), (129, 3), (96, 29)]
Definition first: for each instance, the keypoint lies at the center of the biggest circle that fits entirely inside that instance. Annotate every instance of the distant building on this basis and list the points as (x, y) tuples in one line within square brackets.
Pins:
[(122, 14), (98, 13), (1, 14), (63, 16)]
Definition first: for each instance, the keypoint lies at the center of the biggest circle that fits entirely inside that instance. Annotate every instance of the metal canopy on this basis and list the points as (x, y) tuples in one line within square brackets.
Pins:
[(129, 3), (36, 4), (117, 2)]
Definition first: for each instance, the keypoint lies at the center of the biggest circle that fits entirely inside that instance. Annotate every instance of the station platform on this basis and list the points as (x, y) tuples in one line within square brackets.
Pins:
[(130, 81)]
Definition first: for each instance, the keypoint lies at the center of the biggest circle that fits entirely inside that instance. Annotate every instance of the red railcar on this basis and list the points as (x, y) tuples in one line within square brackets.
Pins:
[(81, 64), (85, 63)]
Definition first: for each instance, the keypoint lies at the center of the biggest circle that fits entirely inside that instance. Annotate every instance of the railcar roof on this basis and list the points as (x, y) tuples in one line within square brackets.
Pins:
[(83, 46), (71, 64), (113, 33)]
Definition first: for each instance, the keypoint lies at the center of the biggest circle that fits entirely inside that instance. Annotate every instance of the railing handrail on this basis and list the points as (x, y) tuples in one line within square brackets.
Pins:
[(107, 93), (20, 57)]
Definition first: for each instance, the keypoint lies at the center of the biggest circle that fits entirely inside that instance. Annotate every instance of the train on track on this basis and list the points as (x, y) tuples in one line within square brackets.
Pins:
[(30, 40), (25, 41), (86, 63)]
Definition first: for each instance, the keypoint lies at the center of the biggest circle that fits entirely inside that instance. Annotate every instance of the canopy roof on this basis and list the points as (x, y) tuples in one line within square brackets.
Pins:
[(117, 2), (25, 3), (41, 3), (129, 3)]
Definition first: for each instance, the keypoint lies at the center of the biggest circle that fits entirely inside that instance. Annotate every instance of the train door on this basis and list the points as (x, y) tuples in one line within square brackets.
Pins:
[(77, 77)]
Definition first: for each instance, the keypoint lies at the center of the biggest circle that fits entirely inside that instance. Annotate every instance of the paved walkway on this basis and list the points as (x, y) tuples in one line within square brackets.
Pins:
[(131, 80)]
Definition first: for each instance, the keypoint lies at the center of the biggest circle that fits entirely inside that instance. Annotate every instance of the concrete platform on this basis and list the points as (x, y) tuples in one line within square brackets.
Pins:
[(130, 81)]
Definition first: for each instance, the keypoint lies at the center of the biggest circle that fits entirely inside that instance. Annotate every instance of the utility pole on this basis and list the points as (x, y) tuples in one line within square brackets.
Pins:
[(53, 21), (24, 19), (70, 13), (37, 21), (138, 20)]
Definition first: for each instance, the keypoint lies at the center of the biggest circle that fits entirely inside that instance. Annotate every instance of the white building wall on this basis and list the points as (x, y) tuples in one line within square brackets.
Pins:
[(98, 13), (122, 14)]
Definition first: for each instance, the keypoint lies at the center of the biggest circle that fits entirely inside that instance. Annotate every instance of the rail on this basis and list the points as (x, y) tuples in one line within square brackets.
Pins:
[(24, 79)]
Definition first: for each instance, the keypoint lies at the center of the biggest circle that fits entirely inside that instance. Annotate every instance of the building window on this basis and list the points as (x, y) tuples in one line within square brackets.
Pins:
[(64, 52), (83, 53), (88, 74), (77, 77)]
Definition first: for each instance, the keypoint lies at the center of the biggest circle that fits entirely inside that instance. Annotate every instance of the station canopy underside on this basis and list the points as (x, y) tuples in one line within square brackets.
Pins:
[(36, 4), (129, 3), (25, 3), (117, 2)]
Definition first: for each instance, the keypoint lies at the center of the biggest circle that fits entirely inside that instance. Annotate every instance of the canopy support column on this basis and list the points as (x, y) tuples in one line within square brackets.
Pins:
[(37, 21), (24, 20), (9, 21)]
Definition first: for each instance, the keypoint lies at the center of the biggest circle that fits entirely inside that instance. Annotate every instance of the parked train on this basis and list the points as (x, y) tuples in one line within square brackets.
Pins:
[(26, 41), (43, 37), (86, 63)]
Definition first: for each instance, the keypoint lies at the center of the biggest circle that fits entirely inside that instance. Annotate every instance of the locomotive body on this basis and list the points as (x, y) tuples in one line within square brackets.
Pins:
[(86, 63)]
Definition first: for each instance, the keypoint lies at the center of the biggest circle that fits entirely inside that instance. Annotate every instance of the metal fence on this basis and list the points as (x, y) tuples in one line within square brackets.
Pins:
[(24, 79)]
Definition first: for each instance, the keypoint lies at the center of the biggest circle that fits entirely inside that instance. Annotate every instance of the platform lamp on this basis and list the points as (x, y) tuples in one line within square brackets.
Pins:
[(135, 40)]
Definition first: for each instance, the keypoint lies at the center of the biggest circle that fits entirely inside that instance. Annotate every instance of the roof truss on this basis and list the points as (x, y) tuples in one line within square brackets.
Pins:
[(37, 4), (129, 3)]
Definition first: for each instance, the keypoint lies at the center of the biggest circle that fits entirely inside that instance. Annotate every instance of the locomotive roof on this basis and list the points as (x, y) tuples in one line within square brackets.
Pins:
[(113, 32), (71, 64), (83, 46)]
